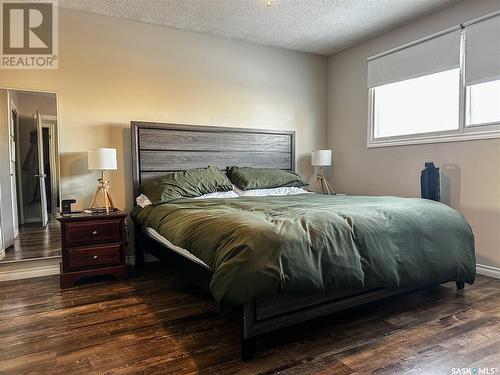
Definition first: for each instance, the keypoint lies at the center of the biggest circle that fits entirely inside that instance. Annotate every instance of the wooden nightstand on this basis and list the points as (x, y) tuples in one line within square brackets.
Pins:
[(93, 245)]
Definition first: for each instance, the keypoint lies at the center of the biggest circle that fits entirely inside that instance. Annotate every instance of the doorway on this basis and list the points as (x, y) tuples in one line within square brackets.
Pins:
[(29, 182)]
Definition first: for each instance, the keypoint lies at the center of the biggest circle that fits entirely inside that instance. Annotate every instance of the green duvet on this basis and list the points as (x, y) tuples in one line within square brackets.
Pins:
[(308, 243)]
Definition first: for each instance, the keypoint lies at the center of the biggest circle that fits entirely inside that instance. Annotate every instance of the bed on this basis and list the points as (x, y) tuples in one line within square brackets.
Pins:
[(286, 260)]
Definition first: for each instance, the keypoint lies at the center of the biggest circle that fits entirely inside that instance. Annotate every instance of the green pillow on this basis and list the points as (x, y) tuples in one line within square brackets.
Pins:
[(186, 184), (247, 178)]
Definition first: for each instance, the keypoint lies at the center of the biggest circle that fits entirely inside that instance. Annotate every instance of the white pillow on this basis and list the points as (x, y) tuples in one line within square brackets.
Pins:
[(285, 190), (142, 201), (219, 194)]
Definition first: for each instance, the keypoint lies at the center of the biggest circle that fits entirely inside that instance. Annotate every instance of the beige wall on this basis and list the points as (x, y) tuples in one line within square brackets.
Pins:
[(113, 71), (471, 167)]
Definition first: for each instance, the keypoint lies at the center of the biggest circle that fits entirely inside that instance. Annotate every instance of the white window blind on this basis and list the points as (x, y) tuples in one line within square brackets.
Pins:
[(482, 51), (434, 55), (445, 87)]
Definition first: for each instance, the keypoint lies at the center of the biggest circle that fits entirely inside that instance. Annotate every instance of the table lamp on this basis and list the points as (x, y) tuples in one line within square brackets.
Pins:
[(322, 158), (102, 159)]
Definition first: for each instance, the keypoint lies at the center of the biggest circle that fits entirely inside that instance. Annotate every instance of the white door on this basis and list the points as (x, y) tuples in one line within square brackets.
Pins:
[(13, 169), (6, 220), (41, 171)]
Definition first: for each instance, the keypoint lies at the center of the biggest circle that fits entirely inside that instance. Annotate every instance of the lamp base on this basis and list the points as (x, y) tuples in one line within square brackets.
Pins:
[(326, 188), (104, 187)]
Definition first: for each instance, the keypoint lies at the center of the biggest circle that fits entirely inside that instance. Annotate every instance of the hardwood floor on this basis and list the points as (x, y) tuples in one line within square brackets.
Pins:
[(157, 324), (34, 242)]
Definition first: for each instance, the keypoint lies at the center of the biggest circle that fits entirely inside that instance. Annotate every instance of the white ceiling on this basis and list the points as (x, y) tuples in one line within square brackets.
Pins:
[(317, 26)]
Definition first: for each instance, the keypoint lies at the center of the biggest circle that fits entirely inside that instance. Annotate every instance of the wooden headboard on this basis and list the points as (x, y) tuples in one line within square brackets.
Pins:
[(159, 149)]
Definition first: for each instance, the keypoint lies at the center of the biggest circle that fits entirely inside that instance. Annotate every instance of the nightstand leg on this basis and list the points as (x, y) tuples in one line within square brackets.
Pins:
[(67, 281)]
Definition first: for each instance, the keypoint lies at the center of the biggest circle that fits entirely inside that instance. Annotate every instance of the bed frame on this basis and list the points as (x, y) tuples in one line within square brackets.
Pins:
[(159, 149)]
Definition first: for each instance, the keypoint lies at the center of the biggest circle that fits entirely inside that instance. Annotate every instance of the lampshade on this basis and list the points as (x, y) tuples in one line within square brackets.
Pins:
[(102, 159), (321, 157)]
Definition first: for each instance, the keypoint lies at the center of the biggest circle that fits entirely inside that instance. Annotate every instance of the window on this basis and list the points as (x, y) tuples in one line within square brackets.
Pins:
[(398, 106), (483, 104), (482, 74), (441, 88)]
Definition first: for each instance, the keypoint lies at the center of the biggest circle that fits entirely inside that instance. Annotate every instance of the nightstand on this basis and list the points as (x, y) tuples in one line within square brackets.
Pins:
[(93, 245)]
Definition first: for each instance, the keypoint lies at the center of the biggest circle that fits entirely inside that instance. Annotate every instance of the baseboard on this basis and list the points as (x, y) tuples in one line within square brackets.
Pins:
[(488, 271), (32, 220), (29, 269)]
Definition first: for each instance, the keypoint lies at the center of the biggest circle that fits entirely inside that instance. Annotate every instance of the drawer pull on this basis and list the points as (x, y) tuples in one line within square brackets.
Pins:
[(94, 257), (94, 233)]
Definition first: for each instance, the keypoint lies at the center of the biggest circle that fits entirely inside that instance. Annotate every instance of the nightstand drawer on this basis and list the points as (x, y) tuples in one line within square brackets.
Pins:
[(94, 256), (88, 232)]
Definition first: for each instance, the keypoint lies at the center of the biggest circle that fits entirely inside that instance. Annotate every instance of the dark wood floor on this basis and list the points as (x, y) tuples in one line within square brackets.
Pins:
[(34, 242), (157, 324)]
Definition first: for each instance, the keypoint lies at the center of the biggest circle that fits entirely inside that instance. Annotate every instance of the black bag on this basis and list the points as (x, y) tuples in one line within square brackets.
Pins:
[(429, 182)]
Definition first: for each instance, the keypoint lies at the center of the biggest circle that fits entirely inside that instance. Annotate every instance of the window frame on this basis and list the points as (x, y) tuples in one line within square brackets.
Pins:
[(463, 133)]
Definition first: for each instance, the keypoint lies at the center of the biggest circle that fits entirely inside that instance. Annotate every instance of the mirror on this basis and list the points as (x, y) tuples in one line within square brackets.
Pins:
[(29, 175)]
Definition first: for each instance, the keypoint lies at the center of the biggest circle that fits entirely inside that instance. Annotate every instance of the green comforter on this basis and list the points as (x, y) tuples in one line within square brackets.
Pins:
[(307, 243)]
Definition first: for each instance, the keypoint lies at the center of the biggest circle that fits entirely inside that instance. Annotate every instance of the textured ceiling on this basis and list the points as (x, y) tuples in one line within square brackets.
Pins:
[(317, 26)]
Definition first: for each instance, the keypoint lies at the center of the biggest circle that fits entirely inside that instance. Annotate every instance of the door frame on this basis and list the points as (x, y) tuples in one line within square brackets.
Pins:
[(41, 175), (59, 127), (19, 175), (50, 122)]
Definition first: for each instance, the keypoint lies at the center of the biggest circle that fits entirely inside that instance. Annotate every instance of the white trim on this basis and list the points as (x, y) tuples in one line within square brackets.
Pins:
[(26, 273), (48, 118), (12, 129), (19, 171), (416, 140), (27, 90), (488, 271), (3, 262), (51, 125), (462, 89)]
